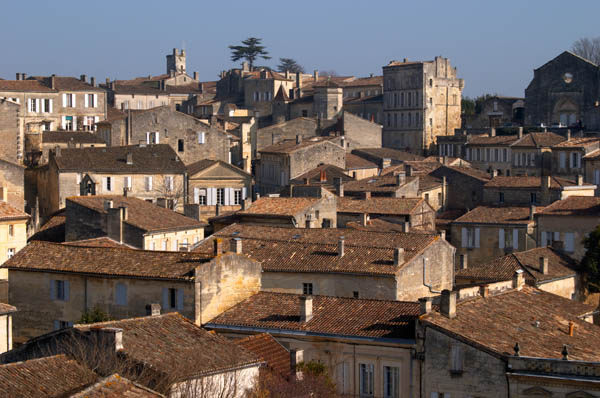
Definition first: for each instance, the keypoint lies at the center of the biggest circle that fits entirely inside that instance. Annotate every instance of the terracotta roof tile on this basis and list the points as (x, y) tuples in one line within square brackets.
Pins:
[(497, 215), (279, 206), (269, 350), (140, 213), (364, 81), (116, 386), (63, 83), (580, 142), (170, 342), (8, 213), (48, 377), (527, 182), (384, 183), (79, 137), (331, 315), (485, 139), (497, 322), (46, 256), (98, 242), (7, 308), (538, 140), (25, 86), (356, 162), (289, 146), (149, 159), (376, 225), (378, 205), (574, 206), (314, 175), (386, 153)]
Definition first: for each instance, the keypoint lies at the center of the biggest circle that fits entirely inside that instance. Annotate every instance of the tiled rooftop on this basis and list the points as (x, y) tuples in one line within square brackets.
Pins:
[(497, 215), (116, 386), (289, 146), (384, 183), (103, 241), (574, 206), (8, 213), (485, 139), (331, 315), (77, 137), (267, 206), (356, 162), (378, 205), (314, 175), (386, 153), (538, 140), (48, 377), (527, 182), (578, 142), (497, 322), (140, 213), (269, 350)]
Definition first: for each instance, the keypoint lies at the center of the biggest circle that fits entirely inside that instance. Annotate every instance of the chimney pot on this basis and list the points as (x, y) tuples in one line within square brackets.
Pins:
[(571, 328), (53, 82), (340, 248), (579, 180), (316, 75), (398, 256), (306, 308), (83, 78), (544, 265), (425, 304), (493, 132), (484, 291), (448, 304), (532, 212), (339, 187), (153, 309), (323, 176), (520, 132), (236, 245), (464, 261), (366, 195), (568, 134)]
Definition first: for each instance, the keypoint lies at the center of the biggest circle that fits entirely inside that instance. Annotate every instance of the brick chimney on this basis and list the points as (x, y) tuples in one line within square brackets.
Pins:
[(518, 280), (306, 308), (492, 132), (464, 261), (339, 187), (425, 305), (323, 176), (398, 256), (448, 304), (236, 245), (153, 309), (217, 247), (544, 265), (366, 195), (340, 247), (111, 338)]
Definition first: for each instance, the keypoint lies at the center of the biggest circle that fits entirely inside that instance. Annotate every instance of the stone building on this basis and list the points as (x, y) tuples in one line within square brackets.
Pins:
[(571, 158), (297, 212), (532, 154), (564, 91), (391, 185), (12, 179), (491, 152), (214, 183), (465, 186), (191, 138), (525, 191), (6, 314), (359, 168), (54, 284), (421, 100), (11, 131), (496, 111), (150, 172), (365, 345), (567, 222), (545, 268), (279, 163), (38, 145), (488, 232), (131, 221), (345, 262), (541, 348), (412, 213), (13, 230)]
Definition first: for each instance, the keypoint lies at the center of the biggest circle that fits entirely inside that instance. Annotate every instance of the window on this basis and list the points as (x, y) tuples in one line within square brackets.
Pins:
[(68, 123), (201, 137), (355, 294), (140, 104), (533, 197), (59, 290), (173, 298), (470, 237), (366, 379), (10, 252), (148, 183), (11, 230), (427, 197), (307, 288), (58, 324), (33, 104), (69, 100), (107, 183), (164, 245), (456, 357), (391, 382), (237, 196), (169, 183), (91, 100), (180, 145), (47, 105), (505, 154), (220, 196), (201, 196), (152, 245), (304, 113), (121, 294), (501, 197), (569, 242)]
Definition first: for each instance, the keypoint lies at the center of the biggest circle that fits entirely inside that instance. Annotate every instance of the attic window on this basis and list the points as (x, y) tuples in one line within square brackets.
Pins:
[(568, 77), (296, 236)]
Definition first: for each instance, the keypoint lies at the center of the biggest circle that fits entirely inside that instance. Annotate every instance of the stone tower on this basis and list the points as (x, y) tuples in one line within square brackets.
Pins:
[(176, 61), (328, 100)]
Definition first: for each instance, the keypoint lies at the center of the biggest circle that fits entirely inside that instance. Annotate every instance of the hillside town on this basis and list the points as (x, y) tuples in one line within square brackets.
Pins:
[(276, 233)]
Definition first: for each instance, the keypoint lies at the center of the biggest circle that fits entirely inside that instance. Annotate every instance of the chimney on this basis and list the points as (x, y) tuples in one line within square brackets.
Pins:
[(571, 328), (298, 139), (111, 338), (129, 158), (443, 234), (405, 227), (463, 261), (171, 73), (520, 132), (245, 66), (532, 212), (568, 134), (263, 74), (323, 176), (493, 132), (398, 256), (405, 60), (153, 309), (18, 76), (400, 179), (108, 81), (57, 151), (306, 308), (83, 78), (93, 81), (298, 85), (244, 204), (108, 204), (339, 187), (4, 194), (364, 219), (493, 173), (53, 82), (308, 223), (23, 76), (316, 75), (236, 245), (448, 304), (544, 265), (124, 212), (366, 195), (408, 170), (340, 248), (195, 75), (545, 183), (217, 246), (484, 291), (287, 74), (425, 304), (518, 280), (579, 179), (201, 87), (217, 209), (306, 181)]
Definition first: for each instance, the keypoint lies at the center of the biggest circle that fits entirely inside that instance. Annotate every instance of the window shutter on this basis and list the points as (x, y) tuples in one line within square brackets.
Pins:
[(244, 193), (64, 96), (476, 237), (86, 101), (56, 324), (67, 290), (28, 104), (214, 195), (556, 236), (226, 199), (179, 299), (464, 237), (52, 289), (515, 239), (74, 123), (157, 135), (570, 241), (209, 201), (147, 138), (95, 101), (571, 162), (74, 98), (501, 238), (37, 105), (544, 239), (165, 298), (597, 177), (63, 122), (51, 102), (562, 160), (196, 195)]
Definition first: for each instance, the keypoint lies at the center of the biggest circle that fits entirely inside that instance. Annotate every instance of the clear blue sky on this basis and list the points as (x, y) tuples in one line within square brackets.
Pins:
[(495, 45)]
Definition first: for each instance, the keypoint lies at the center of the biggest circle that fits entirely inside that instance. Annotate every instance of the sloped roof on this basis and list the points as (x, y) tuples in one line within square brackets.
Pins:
[(356, 162), (77, 137), (269, 350), (378, 205), (484, 139), (314, 175), (9, 213), (538, 140), (289, 146), (204, 164), (574, 206), (527, 182), (383, 183), (267, 206), (386, 153), (497, 215), (580, 142), (67, 83), (331, 315), (115, 386)]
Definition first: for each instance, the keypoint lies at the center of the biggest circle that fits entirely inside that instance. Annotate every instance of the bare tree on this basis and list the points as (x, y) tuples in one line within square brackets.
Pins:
[(588, 48), (170, 191), (312, 383)]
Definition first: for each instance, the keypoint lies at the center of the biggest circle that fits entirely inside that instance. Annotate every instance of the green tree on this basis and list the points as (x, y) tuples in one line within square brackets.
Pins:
[(290, 65), (94, 315), (590, 264), (468, 106), (250, 51)]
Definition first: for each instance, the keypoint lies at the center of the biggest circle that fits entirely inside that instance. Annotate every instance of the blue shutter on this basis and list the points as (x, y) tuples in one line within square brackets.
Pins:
[(179, 299), (67, 289), (56, 325), (501, 238), (476, 237), (464, 242), (244, 192), (165, 300), (515, 239), (52, 289)]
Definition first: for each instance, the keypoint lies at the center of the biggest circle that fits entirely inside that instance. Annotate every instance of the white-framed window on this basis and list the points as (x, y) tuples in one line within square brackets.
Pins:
[(391, 382), (69, 123), (172, 298), (121, 294), (470, 237), (508, 239), (127, 182), (169, 183), (68, 100), (220, 196), (34, 105), (152, 137), (59, 290), (91, 100), (148, 183), (201, 137), (366, 373), (10, 251), (152, 245), (164, 245), (549, 237)]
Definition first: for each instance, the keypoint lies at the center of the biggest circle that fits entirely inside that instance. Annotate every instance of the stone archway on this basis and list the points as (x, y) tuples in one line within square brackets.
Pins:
[(566, 112)]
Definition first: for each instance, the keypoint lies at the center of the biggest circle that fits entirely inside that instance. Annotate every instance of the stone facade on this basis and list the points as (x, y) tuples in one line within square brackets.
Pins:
[(11, 131), (564, 229), (12, 178), (465, 191), (421, 100), (497, 111)]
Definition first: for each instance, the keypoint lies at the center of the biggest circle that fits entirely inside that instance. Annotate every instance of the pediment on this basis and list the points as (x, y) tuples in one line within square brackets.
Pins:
[(579, 394), (537, 392)]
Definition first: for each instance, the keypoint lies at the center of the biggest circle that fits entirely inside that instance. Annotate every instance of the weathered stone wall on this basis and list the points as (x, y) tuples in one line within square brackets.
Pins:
[(308, 158), (361, 133), (464, 192), (12, 177), (276, 133), (10, 132), (579, 226)]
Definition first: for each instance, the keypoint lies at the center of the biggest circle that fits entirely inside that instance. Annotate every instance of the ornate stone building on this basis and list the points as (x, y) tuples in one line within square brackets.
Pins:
[(421, 101)]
